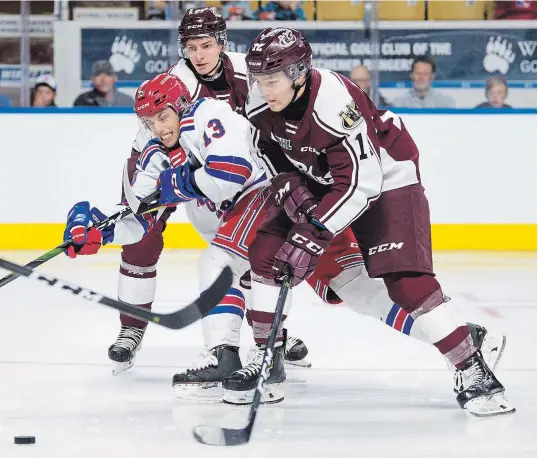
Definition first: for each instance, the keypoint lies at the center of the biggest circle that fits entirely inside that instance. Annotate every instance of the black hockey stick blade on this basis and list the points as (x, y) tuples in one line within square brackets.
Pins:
[(175, 320), (124, 211), (215, 435)]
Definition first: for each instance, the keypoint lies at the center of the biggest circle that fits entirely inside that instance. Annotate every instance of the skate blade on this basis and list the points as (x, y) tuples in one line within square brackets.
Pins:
[(120, 368), (272, 394), (198, 392), (300, 363), (489, 406), (492, 350)]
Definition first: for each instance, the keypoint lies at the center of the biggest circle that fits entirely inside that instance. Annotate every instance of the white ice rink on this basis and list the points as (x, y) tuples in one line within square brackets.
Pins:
[(372, 392)]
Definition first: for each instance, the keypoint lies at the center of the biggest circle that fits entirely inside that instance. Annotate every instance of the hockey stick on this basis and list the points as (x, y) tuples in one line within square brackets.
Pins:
[(214, 435), (124, 211), (175, 320), (138, 207)]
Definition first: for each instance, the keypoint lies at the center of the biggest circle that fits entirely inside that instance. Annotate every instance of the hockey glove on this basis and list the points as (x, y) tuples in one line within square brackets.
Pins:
[(291, 193), (177, 156), (301, 251), (177, 185), (87, 240)]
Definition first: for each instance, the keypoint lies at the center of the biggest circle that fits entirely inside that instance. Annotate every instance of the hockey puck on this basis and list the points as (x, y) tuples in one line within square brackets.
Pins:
[(25, 439)]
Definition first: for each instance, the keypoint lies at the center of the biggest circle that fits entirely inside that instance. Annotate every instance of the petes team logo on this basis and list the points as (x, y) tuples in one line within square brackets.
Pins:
[(287, 39), (141, 93), (351, 116)]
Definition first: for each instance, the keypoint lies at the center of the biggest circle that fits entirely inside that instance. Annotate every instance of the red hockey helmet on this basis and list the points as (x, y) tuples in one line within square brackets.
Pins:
[(165, 90), (201, 23), (280, 49)]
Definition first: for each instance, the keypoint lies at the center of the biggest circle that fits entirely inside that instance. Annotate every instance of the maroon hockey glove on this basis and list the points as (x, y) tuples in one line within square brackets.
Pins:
[(301, 251), (291, 193)]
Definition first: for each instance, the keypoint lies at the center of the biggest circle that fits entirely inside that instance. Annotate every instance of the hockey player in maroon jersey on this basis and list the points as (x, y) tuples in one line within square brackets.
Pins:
[(361, 170)]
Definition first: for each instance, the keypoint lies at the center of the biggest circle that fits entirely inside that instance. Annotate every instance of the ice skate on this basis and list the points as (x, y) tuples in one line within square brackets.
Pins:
[(240, 386), (490, 345), (123, 351), (479, 391), (295, 352), (203, 382)]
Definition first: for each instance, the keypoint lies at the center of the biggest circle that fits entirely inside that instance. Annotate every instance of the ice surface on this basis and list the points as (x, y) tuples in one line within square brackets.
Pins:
[(371, 392)]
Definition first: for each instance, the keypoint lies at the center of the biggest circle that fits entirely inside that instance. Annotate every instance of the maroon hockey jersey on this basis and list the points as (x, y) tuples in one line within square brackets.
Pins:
[(234, 91), (348, 150)]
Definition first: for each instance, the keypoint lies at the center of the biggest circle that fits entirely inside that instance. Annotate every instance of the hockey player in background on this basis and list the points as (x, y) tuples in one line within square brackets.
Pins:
[(361, 169)]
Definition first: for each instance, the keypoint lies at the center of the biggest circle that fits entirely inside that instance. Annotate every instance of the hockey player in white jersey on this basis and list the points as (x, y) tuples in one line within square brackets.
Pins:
[(212, 174), (207, 70)]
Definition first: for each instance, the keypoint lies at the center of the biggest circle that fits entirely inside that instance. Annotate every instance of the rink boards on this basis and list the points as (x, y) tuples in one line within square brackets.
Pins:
[(478, 168)]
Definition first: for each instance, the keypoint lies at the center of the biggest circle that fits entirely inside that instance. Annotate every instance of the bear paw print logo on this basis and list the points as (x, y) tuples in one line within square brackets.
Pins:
[(125, 55), (499, 55)]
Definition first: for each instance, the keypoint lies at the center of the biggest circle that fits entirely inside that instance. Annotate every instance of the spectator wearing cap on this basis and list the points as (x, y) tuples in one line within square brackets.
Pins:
[(360, 75), (496, 93), (422, 95), (104, 92), (44, 92)]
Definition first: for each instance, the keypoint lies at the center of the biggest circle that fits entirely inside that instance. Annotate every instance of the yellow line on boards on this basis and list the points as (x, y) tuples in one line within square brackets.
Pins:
[(498, 237)]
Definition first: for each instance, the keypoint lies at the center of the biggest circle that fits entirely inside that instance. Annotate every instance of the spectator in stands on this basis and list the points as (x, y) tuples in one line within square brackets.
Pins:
[(496, 93), (44, 92), (281, 11), (156, 11), (515, 9), (360, 75), (421, 95), (169, 10), (104, 92), (236, 11)]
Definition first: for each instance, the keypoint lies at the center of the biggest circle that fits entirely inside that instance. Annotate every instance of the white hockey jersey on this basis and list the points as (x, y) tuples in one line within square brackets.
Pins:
[(235, 68), (216, 140)]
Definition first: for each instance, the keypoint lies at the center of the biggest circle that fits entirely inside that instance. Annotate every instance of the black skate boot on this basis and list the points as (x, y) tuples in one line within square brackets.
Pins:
[(123, 351), (203, 382), (490, 345), (295, 352), (479, 391), (240, 386)]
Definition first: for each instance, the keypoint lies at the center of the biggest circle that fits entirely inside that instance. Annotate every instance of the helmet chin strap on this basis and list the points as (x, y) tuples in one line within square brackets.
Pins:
[(296, 88), (206, 77)]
